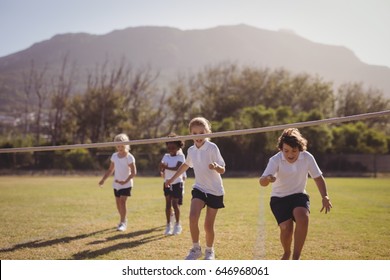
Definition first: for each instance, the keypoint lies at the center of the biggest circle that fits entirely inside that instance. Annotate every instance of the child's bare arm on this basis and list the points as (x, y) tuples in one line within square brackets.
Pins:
[(107, 174), (265, 180), (215, 166), (184, 167), (321, 185)]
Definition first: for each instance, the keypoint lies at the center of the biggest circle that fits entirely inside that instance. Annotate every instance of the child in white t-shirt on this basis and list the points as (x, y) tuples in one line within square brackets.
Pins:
[(124, 169), (169, 164), (288, 172), (206, 160)]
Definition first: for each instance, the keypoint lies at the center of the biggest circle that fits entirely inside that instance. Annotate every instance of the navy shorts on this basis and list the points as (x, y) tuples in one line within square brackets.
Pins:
[(212, 201), (282, 207), (122, 192), (176, 190)]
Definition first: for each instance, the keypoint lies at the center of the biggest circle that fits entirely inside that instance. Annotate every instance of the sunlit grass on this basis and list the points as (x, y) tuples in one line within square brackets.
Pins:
[(72, 218)]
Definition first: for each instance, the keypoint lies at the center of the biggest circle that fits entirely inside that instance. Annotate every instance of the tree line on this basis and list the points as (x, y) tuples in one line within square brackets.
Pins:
[(120, 99)]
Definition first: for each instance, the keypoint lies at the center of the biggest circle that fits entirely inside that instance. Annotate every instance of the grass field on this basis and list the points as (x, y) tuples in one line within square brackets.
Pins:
[(72, 218)]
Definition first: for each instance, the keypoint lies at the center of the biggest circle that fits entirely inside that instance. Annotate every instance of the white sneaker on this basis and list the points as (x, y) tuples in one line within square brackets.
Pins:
[(122, 227), (168, 229), (209, 254), (194, 254), (178, 229)]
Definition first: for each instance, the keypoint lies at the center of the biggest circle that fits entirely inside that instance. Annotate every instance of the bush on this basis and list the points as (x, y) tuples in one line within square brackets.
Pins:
[(80, 159)]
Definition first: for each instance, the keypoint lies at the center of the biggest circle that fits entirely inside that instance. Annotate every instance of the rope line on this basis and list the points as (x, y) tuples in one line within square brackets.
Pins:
[(199, 136)]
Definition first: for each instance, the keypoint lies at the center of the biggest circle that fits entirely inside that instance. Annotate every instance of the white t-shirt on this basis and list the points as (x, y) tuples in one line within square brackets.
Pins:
[(122, 170), (172, 162), (291, 178), (206, 180)]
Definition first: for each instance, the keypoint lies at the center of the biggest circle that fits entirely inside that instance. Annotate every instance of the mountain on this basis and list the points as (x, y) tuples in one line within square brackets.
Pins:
[(171, 51)]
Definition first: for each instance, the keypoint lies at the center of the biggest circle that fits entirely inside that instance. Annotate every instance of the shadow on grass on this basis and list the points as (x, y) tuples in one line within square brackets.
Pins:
[(89, 254), (127, 244), (40, 243)]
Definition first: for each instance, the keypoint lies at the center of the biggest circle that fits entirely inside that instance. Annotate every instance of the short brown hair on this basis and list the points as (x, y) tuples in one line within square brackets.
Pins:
[(293, 138)]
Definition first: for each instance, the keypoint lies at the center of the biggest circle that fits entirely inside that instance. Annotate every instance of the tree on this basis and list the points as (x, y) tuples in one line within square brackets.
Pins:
[(248, 152), (358, 138), (353, 99), (144, 104), (27, 89), (181, 107), (34, 81), (218, 89), (61, 88), (311, 93), (40, 89), (95, 110), (319, 137)]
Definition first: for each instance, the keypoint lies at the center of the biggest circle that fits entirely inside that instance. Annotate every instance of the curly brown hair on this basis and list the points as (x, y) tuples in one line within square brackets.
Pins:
[(293, 138)]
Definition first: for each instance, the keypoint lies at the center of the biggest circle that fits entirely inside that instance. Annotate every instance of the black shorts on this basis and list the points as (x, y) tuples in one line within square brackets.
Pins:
[(282, 207), (212, 201), (176, 190), (122, 192)]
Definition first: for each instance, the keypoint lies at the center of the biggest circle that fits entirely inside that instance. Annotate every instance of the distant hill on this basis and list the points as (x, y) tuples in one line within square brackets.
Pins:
[(171, 51)]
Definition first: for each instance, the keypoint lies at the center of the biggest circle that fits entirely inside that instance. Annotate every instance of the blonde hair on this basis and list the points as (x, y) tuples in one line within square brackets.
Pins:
[(200, 121), (293, 138), (122, 138)]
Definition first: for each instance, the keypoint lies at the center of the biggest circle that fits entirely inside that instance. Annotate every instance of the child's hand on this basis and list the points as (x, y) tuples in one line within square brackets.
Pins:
[(163, 166), (271, 178), (326, 204), (101, 183), (213, 166), (168, 183), (120, 182)]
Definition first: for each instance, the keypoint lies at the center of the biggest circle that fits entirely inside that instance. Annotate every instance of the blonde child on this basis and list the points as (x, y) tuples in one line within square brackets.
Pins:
[(288, 171), (124, 169), (206, 160)]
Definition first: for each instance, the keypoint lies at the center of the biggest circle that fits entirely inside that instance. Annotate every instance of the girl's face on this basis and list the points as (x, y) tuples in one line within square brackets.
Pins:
[(121, 148), (172, 149), (195, 130), (291, 154)]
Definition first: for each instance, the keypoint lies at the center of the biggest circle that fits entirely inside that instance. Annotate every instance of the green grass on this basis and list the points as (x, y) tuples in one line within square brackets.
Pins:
[(72, 218)]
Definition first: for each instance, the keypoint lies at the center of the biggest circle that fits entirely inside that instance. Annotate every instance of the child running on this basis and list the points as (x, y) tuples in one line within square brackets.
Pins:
[(288, 171), (169, 164), (206, 160), (124, 169)]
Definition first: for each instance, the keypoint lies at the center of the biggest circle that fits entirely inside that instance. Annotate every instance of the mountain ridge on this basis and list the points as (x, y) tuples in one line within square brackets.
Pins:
[(170, 51)]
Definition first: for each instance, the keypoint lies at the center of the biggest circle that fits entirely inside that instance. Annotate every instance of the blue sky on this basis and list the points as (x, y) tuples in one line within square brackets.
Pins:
[(360, 25)]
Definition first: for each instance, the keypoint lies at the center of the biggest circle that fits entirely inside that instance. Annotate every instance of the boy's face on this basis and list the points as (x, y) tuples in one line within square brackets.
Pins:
[(197, 129), (172, 149), (291, 154)]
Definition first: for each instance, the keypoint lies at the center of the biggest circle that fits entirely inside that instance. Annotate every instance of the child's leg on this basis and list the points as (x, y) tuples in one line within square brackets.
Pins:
[(118, 207), (196, 207), (301, 216), (122, 208), (286, 233), (211, 213), (175, 205), (168, 206)]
